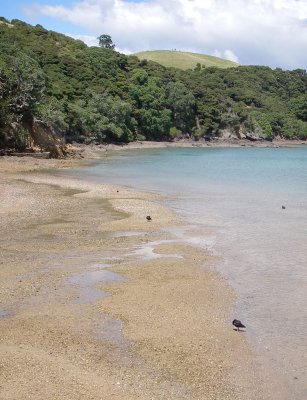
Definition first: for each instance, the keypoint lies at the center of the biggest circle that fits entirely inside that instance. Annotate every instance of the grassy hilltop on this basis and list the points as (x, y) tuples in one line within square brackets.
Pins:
[(184, 60)]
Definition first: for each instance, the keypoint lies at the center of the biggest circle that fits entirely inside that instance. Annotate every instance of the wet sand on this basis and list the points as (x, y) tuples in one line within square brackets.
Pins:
[(96, 302)]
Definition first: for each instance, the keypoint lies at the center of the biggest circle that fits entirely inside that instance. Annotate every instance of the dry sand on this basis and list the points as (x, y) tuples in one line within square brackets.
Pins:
[(98, 303)]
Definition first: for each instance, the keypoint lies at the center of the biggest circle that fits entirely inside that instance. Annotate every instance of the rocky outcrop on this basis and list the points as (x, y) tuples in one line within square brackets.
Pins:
[(44, 136), (65, 151), (241, 134), (252, 137)]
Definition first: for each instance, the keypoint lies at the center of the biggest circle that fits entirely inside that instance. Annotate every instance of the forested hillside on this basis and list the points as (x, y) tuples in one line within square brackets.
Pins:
[(54, 89)]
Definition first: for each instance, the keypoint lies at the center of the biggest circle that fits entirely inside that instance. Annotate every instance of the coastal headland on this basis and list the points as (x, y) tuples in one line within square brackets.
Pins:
[(97, 302)]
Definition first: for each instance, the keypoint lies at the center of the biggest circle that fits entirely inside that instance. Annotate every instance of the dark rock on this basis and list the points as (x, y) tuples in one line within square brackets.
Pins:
[(252, 138)]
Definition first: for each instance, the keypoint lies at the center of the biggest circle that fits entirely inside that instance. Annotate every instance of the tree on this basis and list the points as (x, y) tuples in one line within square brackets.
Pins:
[(101, 117), (106, 42), (259, 123), (147, 94), (22, 85), (182, 103)]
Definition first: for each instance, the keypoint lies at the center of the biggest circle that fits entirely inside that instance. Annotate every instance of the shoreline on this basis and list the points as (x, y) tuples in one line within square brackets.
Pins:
[(79, 151), (92, 150), (160, 331), (214, 143)]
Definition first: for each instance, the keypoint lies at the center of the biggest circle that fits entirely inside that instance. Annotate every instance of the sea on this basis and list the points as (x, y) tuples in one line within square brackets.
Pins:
[(253, 204)]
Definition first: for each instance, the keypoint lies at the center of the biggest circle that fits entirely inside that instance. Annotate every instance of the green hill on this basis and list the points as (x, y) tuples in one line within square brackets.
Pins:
[(184, 60)]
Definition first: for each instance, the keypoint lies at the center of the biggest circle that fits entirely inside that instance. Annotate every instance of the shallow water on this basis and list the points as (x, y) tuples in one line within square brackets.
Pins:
[(147, 250), (238, 194), (85, 282), (4, 313)]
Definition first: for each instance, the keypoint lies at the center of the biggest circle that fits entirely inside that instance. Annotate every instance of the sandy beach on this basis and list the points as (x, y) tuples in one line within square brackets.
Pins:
[(96, 302)]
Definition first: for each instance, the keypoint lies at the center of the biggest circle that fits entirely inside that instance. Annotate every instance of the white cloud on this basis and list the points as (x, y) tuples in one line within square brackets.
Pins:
[(227, 54), (89, 40), (271, 32)]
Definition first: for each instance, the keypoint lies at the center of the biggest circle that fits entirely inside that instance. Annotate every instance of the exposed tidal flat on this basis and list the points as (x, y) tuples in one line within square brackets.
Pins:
[(97, 302)]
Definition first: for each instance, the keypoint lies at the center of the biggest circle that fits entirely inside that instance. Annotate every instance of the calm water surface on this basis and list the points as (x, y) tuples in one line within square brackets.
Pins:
[(238, 193)]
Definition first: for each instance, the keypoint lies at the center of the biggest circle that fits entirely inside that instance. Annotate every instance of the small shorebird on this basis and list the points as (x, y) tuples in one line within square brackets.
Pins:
[(238, 324), (148, 218)]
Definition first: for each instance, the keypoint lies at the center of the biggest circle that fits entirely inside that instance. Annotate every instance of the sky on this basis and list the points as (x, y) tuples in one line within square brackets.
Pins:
[(251, 32)]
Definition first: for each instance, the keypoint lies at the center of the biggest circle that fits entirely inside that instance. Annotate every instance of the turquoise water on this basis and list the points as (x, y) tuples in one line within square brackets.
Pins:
[(238, 194)]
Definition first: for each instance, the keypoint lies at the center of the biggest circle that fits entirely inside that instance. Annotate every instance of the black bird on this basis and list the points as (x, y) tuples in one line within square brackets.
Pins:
[(238, 324), (283, 207), (148, 218)]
